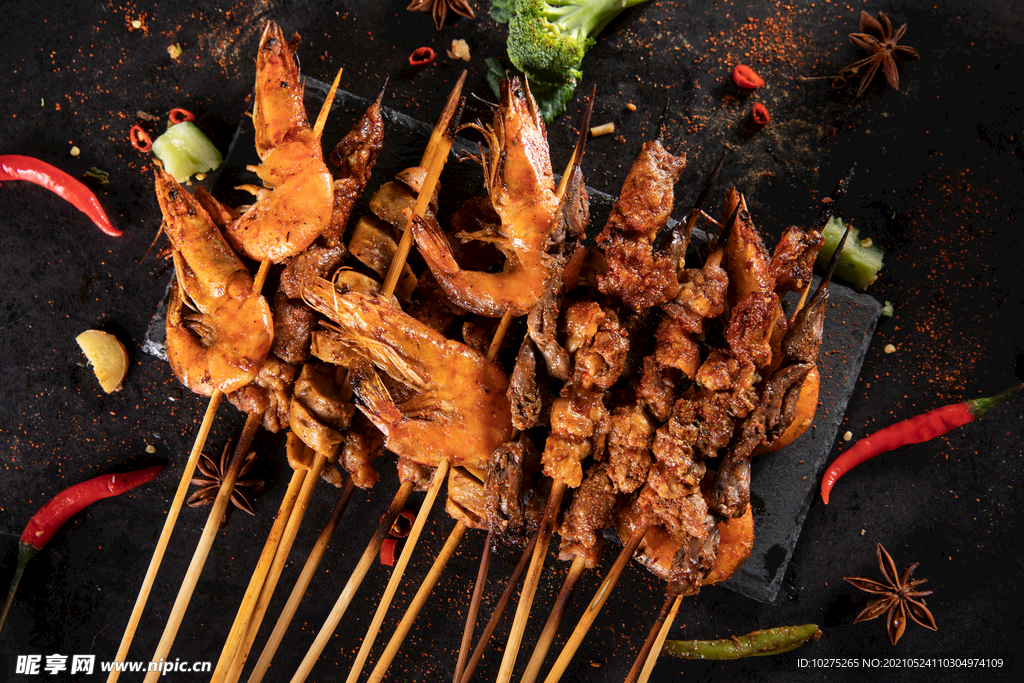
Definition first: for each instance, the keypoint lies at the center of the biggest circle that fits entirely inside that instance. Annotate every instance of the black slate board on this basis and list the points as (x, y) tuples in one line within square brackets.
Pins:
[(783, 484)]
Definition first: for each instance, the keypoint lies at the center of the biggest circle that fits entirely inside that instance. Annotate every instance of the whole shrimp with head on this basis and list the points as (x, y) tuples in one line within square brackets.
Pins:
[(521, 186), (219, 337), (445, 401), (297, 199)]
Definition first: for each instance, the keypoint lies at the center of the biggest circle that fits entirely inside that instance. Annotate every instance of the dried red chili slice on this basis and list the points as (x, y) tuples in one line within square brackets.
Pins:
[(759, 115), (388, 550), (140, 139), (178, 115), (421, 56), (403, 524)]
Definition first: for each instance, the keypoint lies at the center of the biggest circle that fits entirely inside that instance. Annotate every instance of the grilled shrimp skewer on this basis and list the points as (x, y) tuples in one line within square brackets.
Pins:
[(296, 204), (270, 120), (520, 182), (222, 344)]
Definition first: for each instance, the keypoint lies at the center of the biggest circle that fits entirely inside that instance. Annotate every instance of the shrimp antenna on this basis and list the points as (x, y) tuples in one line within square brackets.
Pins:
[(681, 237), (830, 206)]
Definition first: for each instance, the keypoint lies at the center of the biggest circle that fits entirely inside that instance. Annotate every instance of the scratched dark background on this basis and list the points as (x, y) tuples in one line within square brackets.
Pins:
[(940, 181)]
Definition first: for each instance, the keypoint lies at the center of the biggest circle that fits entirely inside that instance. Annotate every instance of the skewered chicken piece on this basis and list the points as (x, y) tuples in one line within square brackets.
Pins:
[(636, 274)]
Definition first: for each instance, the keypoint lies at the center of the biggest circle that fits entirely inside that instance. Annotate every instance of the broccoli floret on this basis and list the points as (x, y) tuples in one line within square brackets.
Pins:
[(548, 38)]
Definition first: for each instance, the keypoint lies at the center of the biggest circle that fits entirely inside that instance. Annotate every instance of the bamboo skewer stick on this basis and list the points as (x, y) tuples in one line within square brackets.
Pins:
[(305, 577), (499, 609), (594, 608), (265, 568), (195, 568), (377, 675), (259, 574), (547, 636), (436, 154), (651, 650), (540, 551), (165, 534), (474, 609), (175, 510), (291, 531), (396, 578), (354, 581), (550, 519)]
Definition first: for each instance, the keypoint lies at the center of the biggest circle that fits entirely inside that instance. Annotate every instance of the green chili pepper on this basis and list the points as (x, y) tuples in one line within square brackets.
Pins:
[(757, 644)]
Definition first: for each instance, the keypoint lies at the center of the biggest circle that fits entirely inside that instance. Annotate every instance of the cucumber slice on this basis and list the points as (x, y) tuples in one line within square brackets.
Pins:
[(858, 265), (184, 151)]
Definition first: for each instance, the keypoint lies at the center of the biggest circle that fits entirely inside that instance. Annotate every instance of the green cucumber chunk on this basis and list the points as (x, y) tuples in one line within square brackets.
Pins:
[(184, 151), (858, 265)]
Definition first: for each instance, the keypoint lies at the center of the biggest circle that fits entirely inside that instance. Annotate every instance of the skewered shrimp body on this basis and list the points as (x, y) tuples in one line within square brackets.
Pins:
[(520, 182), (296, 203), (221, 340), (453, 404)]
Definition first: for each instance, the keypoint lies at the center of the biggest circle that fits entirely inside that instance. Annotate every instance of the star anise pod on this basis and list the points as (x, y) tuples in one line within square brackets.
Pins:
[(878, 39), (899, 596), (213, 474), (439, 8)]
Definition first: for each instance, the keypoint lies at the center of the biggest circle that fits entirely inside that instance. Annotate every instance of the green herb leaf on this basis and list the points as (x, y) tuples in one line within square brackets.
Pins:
[(501, 10)]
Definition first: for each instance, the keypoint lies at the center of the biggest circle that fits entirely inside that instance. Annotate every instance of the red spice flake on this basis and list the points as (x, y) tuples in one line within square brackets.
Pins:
[(178, 115), (759, 115), (421, 56), (140, 139), (388, 550), (745, 77)]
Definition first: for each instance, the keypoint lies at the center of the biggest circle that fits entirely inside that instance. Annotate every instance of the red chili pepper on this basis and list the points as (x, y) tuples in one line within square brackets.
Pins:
[(759, 115), (915, 430), (421, 56), (745, 77), (403, 524), (52, 516), (140, 139), (17, 167), (179, 115), (388, 550)]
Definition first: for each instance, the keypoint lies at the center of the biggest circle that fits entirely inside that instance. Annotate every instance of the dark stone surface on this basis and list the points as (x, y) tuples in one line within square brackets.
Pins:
[(940, 185)]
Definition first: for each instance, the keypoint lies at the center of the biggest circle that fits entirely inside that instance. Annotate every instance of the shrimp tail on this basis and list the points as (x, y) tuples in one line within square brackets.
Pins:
[(376, 402)]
